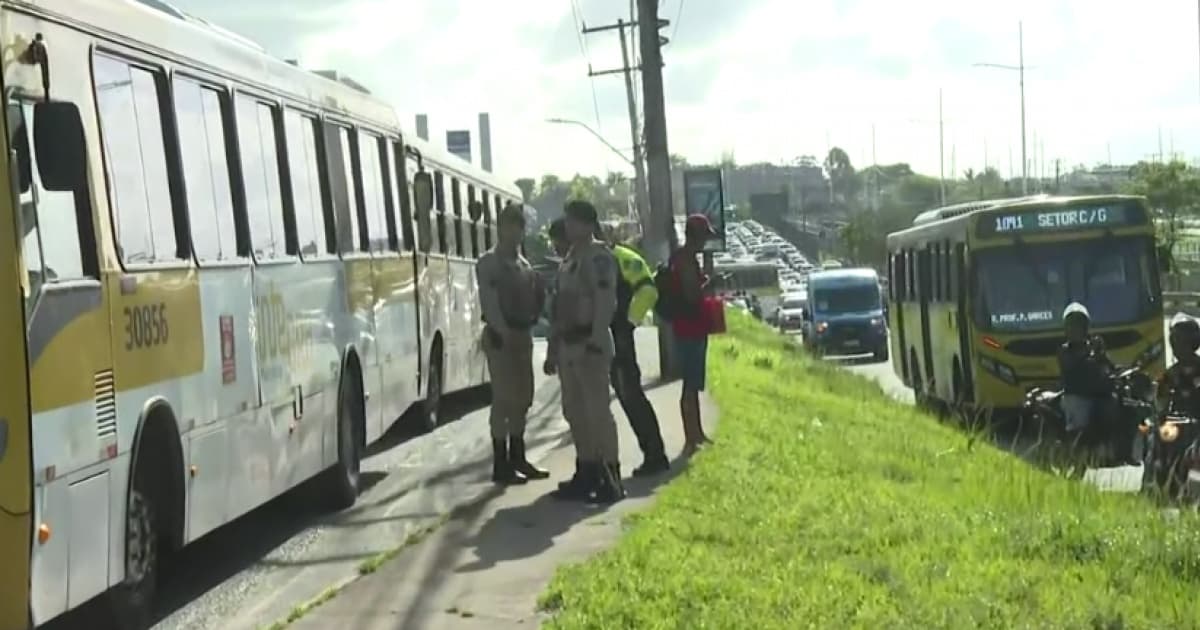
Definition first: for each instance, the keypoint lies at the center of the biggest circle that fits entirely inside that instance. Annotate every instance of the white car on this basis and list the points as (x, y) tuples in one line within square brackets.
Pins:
[(791, 310)]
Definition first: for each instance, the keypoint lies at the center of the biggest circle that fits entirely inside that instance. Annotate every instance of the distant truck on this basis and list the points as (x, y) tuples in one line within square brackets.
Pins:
[(846, 313)]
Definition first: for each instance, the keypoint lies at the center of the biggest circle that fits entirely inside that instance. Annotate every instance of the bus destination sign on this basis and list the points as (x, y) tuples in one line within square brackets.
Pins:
[(1060, 219)]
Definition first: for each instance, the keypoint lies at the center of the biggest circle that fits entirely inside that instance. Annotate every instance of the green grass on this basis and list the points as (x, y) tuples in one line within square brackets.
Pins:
[(825, 504)]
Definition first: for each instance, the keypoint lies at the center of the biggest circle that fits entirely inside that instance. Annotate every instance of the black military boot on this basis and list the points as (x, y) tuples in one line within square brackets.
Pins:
[(653, 465), (516, 457), (610, 489), (562, 485), (581, 486), (502, 470)]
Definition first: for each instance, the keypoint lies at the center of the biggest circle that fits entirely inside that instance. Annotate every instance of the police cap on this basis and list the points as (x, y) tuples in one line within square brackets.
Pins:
[(512, 213), (582, 211)]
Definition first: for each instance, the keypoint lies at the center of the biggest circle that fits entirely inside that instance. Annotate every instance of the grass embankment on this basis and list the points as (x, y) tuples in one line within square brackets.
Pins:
[(827, 505)]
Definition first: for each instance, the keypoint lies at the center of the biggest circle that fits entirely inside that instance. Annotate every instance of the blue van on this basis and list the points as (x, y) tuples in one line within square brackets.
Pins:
[(846, 313)]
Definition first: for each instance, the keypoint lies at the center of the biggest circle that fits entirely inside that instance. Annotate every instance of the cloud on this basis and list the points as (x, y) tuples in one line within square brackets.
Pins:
[(768, 79)]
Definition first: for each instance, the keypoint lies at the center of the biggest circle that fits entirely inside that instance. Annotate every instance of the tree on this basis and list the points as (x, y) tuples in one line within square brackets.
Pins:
[(840, 173), (527, 185), (1173, 193)]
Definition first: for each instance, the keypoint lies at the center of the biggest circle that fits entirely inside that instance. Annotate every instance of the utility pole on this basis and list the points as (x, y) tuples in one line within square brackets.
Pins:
[(1021, 66), (641, 200), (661, 240), (941, 151)]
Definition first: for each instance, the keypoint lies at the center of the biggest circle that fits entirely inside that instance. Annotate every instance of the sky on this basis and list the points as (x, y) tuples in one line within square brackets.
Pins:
[(769, 80)]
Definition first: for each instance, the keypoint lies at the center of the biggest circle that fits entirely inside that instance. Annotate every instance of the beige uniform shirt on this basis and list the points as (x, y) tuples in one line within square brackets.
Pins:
[(508, 291), (586, 297)]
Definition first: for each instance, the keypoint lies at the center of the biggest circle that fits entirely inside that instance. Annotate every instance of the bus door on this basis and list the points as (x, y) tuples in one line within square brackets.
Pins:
[(16, 446), (964, 322), (924, 288)]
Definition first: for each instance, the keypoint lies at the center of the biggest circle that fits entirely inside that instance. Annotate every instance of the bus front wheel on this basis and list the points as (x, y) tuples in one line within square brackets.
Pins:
[(131, 601)]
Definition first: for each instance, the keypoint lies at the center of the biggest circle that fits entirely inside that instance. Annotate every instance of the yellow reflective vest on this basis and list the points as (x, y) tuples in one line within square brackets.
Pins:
[(636, 293)]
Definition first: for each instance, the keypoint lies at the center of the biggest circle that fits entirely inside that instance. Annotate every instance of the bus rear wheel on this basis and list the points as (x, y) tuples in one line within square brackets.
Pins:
[(342, 480), (431, 408), (132, 600)]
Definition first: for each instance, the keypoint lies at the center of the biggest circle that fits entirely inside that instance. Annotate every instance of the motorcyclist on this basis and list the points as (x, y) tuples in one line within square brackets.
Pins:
[(1179, 386), (1087, 384)]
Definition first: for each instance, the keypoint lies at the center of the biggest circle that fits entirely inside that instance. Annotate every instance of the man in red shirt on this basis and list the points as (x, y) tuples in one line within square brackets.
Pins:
[(692, 325)]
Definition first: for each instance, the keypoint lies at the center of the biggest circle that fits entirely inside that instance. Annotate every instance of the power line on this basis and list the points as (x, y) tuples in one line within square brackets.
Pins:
[(678, 16), (576, 12)]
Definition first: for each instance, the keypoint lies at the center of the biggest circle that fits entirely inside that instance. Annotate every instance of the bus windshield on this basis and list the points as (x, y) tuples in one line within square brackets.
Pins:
[(847, 299), (1026, 288)]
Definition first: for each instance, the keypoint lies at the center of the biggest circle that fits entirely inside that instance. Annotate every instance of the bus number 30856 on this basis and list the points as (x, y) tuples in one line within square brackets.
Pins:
[(146, 326)]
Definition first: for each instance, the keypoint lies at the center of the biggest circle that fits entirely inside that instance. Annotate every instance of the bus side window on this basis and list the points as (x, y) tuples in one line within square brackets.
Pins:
[(307, 199), (472, 202), (402, 209), (949, 275), (339, 152), (439, 194), (128, 98), (53, 221), (260, 175), (491, 232), (456, 248), (205, 162), (485, 222), (379, 237)]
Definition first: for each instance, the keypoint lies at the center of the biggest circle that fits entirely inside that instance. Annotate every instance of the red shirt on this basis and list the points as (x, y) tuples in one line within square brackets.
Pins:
[(694, 324)]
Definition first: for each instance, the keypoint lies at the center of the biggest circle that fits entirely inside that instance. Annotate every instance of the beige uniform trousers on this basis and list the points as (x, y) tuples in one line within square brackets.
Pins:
[(585, 400), (511, 369)]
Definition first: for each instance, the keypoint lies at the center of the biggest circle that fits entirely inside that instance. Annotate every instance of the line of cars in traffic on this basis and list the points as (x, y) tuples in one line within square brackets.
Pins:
[(838, 311)]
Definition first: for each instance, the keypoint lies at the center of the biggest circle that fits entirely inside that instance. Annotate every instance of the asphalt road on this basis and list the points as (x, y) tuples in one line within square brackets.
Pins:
[(1119, 479), (255, 570)]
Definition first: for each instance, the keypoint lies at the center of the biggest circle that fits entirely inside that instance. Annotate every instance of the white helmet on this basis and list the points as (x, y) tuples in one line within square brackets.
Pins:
[(1078, 310)]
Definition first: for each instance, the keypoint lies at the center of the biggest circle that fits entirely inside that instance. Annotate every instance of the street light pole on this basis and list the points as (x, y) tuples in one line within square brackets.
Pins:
[(1020, 69), (941, 150), (567, 121)]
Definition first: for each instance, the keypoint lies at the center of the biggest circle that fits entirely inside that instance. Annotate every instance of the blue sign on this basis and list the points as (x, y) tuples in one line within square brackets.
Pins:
[(704, 193), (459, 143)]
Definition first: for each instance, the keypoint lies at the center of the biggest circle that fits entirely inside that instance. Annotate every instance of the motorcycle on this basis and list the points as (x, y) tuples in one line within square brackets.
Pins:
[(1172, 452), (1133, 391)]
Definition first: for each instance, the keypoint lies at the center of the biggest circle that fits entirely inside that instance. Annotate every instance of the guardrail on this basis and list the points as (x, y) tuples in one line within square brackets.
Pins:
[(1181, 302)]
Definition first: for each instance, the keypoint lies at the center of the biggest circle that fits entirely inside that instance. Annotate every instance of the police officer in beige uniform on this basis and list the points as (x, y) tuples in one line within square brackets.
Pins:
[(511, 298), (584, 304)]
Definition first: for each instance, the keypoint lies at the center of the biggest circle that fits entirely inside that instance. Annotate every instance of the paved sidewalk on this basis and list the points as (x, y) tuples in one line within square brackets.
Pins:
[(486, 566)]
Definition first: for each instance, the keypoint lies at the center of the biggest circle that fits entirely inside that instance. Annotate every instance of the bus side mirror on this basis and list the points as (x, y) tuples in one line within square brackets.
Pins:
[(59, 145)]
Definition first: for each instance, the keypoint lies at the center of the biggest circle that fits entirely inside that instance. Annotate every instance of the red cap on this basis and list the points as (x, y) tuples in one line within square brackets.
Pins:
[(699, 224)]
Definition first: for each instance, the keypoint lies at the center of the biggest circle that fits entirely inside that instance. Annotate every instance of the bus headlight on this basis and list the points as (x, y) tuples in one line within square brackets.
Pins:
[(822, 327), (999, 370), (1168, 432), (877, 322)]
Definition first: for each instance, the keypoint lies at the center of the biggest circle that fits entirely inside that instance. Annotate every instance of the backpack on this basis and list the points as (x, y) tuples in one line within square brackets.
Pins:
[(667, 306)]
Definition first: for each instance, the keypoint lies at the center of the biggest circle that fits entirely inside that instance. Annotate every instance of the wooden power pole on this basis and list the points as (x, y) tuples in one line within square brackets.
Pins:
[(661, 241)]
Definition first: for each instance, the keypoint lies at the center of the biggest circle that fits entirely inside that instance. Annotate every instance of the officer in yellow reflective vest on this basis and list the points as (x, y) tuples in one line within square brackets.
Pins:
[(636, 295)]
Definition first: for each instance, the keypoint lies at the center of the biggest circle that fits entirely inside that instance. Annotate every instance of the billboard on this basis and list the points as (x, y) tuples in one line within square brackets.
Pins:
[(704, 193), (459, 143)]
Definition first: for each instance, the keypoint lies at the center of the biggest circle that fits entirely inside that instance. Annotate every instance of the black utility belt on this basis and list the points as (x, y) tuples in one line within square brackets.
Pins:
[(515, 324), (579, 334)]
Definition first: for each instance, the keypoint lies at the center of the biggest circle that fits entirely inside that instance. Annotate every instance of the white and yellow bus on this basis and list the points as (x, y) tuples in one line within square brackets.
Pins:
[(220, 276)]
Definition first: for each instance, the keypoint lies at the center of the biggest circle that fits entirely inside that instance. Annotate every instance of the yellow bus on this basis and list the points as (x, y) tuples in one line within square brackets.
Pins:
[(977, 290), (221, 276)]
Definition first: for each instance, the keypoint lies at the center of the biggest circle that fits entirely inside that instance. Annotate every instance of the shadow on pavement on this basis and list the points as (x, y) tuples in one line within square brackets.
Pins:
[(524, 531), (246, 541)]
